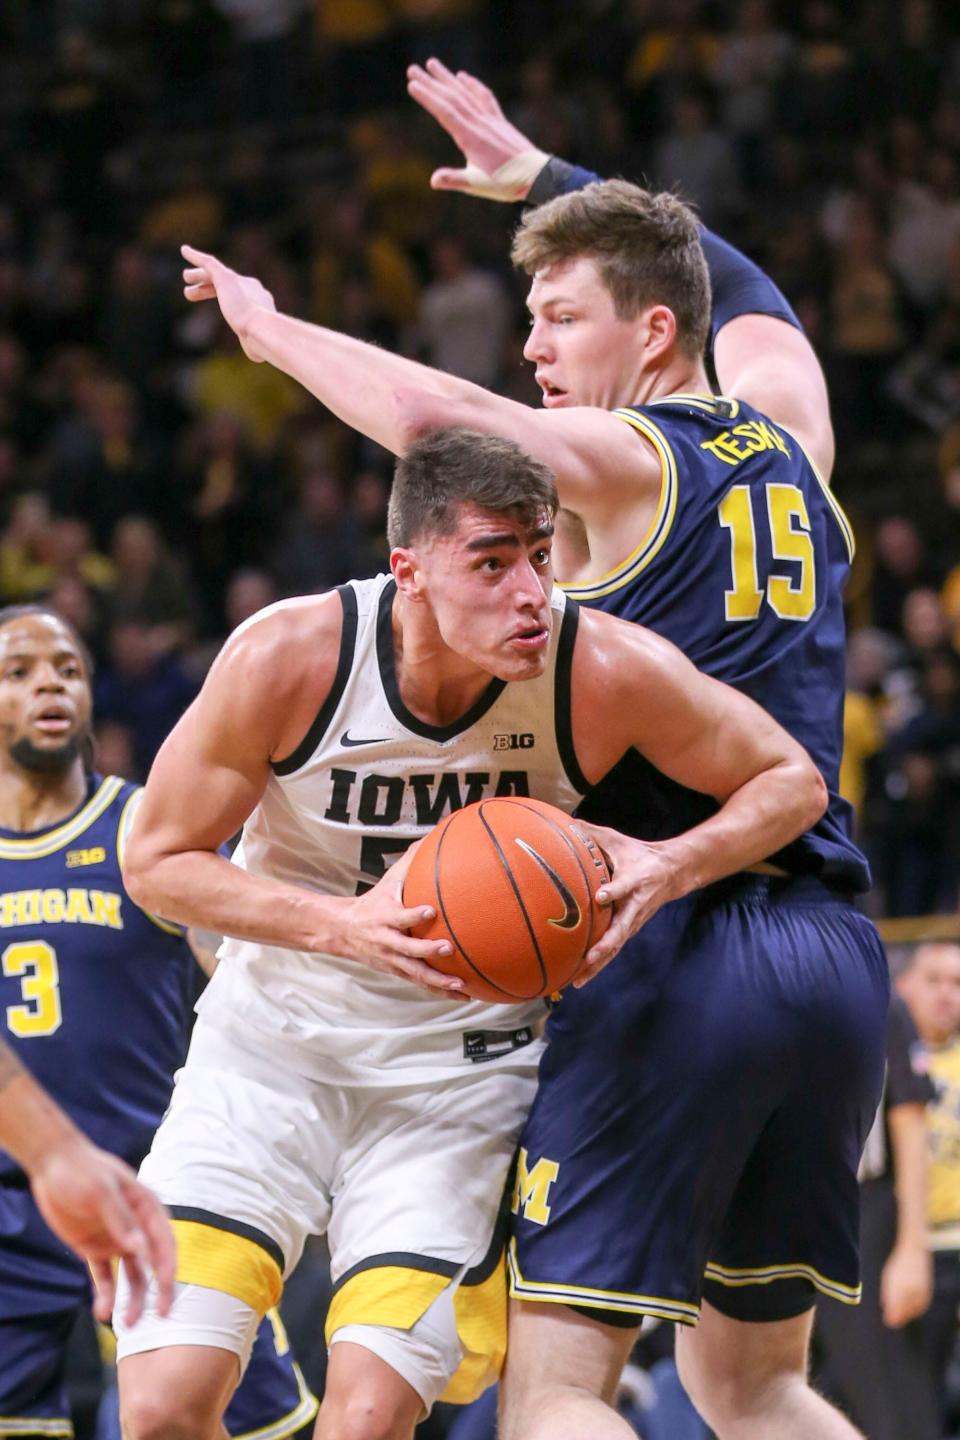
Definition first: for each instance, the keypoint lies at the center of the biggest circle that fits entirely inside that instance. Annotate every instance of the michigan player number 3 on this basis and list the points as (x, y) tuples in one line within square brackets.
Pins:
[(34, 963), (790, 597)]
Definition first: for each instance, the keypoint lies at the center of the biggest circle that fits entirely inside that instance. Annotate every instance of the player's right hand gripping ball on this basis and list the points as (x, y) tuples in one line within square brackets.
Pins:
[(513, 882)]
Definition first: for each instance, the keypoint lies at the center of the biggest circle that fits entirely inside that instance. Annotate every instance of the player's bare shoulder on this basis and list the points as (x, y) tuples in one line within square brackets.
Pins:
[(279, 666)]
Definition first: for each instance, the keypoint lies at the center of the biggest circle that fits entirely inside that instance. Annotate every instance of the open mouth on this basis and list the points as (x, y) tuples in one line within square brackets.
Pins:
[(52, 721), (552, 394)]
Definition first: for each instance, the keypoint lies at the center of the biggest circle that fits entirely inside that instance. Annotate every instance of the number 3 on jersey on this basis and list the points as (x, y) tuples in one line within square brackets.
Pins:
[(790, 599), (35, 963)]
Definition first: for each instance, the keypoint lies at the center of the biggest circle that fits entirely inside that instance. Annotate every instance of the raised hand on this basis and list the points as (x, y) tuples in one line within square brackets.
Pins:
[(239, 296), (501, 163)]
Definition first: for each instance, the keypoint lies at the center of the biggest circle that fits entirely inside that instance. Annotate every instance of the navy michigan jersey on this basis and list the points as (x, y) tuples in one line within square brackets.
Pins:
[(743, 569), (94, 1000), (93, 991)]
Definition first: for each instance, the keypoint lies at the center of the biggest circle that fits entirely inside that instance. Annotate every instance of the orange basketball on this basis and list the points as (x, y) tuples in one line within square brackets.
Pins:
[(513, 884)]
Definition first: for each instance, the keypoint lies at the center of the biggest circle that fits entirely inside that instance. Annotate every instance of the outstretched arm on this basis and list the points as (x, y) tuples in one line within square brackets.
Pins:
[(595, 457), (92, 1200), (760, 352)]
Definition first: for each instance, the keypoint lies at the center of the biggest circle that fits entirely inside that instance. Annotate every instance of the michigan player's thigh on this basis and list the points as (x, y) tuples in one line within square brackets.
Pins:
[(180, 1390), (740, 1361), (791, 1229), (33, 1353), (554, 1349), (648, 1106)]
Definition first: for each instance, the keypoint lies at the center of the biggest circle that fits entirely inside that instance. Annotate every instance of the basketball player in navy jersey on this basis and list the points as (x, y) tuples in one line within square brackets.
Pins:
[(322, 1090), (90, 1199), (93, 1000), (722, 1146)]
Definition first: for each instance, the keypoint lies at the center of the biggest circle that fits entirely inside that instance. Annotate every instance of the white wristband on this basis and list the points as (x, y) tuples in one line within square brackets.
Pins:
[(510, 181)]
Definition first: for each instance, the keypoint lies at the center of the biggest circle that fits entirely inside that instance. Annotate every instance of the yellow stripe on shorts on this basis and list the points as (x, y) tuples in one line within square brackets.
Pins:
[(222, 1260), (380, 1293)]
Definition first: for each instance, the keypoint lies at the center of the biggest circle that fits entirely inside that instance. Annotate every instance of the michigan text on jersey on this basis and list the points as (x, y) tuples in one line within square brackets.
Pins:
[(61, 907)]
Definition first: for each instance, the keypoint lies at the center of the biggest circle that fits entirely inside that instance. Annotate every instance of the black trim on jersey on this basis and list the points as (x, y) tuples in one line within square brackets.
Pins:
[(388, 676), (348, 641), (231, 1227), (409, 1260), (563, 678)]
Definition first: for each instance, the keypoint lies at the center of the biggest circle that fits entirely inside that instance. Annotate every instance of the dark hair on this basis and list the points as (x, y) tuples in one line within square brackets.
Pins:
[(9, 613), (451, 468), (645, 245)]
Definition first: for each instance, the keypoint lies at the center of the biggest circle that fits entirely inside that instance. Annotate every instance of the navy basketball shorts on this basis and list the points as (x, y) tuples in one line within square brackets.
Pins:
[(42, 1289), (701, 1111)]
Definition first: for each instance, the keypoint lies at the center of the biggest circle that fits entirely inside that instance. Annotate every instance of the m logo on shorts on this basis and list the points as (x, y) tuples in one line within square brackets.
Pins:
[(531, 1189)]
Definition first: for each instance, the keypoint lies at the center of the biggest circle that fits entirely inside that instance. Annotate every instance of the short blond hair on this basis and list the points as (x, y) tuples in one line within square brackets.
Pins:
[(646, 247)]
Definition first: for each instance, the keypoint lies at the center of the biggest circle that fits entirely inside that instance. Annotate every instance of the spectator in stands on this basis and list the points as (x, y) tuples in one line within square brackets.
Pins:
[(264, 399), (151, 586), (104, 464), (346, 246), (464, 315), (900, 564), (921, 845), (23, 569), (142, 688), (700, 161), (225, 492), (317, 540), (872, 1356), (930, 985), (748, 67)]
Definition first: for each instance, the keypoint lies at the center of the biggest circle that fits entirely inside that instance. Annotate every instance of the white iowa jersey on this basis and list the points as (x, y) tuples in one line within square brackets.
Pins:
[(368, 779)]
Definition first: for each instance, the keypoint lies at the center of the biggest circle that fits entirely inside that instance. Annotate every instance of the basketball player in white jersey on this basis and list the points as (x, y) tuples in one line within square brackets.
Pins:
[(323, 1090)]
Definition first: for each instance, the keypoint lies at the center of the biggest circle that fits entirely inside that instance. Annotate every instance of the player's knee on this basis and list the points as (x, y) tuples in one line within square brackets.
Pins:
[(155, 1415), (722, 1387), (364, 1413)]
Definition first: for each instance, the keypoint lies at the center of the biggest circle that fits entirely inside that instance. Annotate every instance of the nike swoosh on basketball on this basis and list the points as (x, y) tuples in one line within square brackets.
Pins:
[(347, 739), (570, 918)]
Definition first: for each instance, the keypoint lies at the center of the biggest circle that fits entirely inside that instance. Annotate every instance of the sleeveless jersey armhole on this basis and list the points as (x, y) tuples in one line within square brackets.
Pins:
[(846, 529), (348, 640)]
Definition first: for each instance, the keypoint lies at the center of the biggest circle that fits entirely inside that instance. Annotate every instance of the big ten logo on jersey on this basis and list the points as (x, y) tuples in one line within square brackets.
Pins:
[(421, 800), (523, 741), (531, 1188), (95, 856)]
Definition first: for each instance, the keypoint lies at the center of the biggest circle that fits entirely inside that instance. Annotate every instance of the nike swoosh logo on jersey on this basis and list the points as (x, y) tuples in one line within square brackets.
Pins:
[(347, 739), (570, 918)]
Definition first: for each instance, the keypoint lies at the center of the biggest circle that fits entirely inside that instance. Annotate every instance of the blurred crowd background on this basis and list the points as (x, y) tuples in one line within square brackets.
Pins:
[(159, 488)]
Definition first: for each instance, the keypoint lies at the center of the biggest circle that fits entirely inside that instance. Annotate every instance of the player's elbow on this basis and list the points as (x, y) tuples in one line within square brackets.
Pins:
[(812, 794), (417, 412), (139, 868)]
